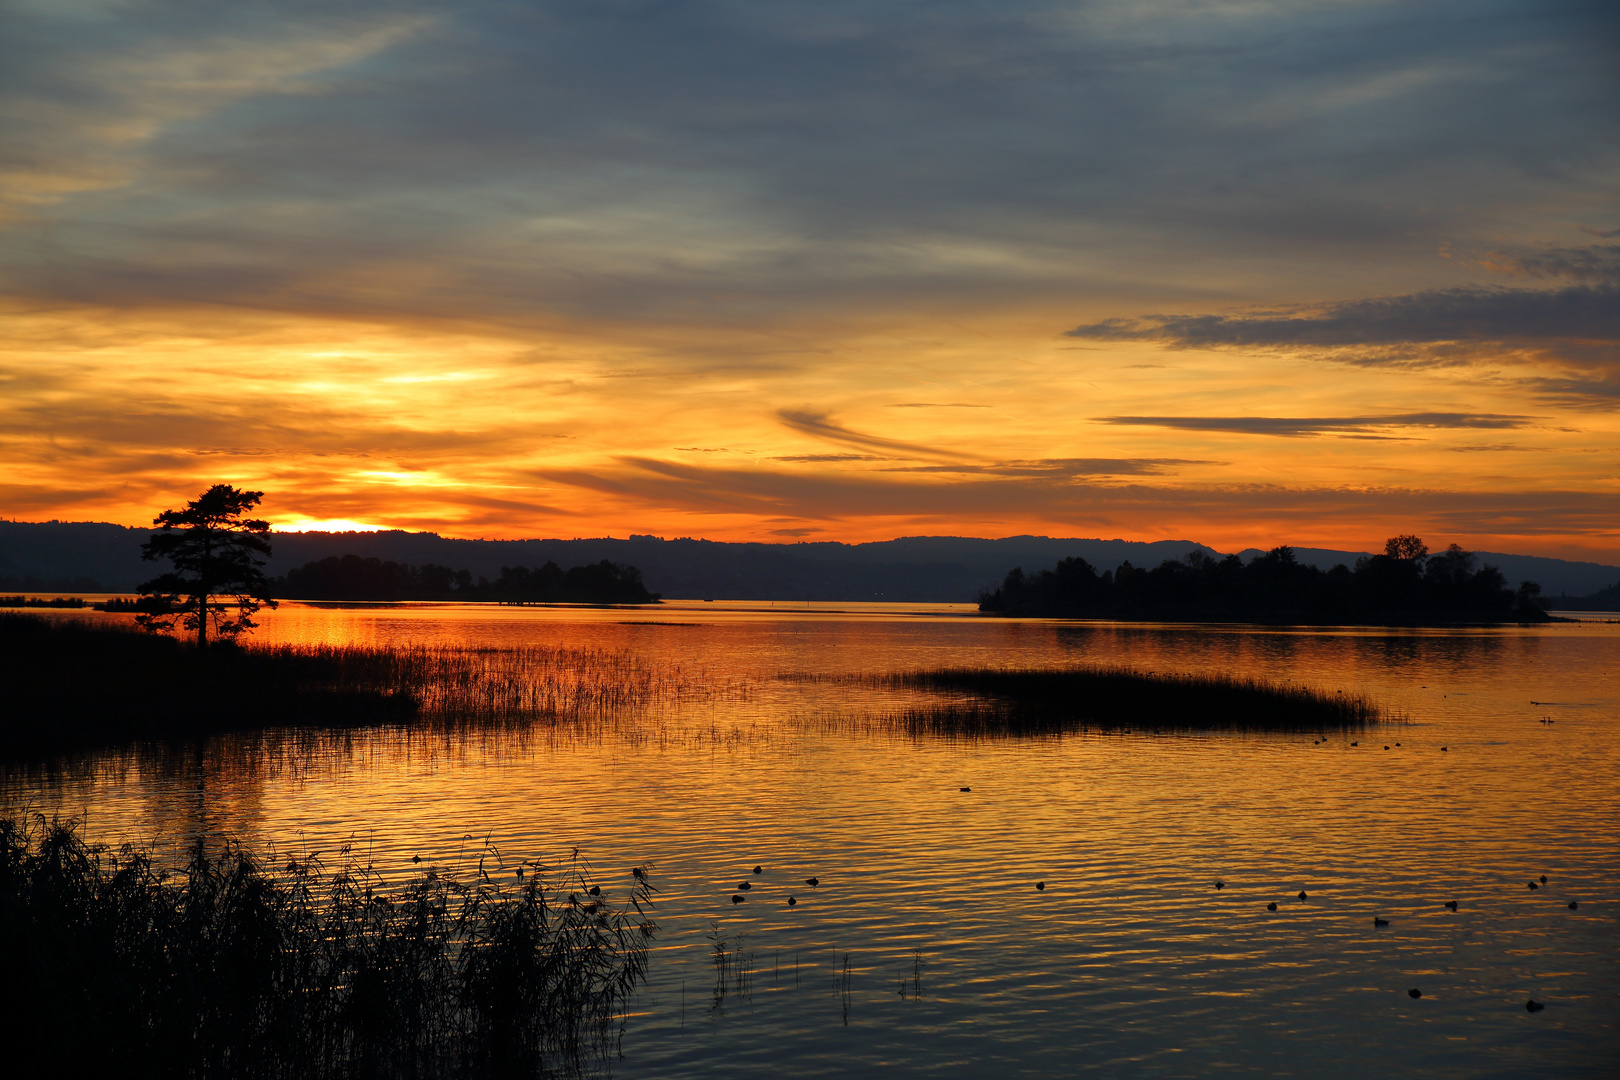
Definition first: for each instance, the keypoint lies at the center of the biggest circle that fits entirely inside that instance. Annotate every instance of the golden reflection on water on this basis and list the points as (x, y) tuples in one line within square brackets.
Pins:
[(1129, 961)]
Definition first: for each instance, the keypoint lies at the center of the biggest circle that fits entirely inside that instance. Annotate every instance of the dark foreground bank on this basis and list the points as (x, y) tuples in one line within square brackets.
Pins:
[(989, 702), (70, 685), (249, 964)]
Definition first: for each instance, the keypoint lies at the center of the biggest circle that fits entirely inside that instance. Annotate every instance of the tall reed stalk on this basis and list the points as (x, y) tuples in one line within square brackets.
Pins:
[(242, 965)]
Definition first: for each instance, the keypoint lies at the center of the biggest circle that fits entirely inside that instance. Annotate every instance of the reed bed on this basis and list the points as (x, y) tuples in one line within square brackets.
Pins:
[(254, 965), (1011, 702), (79, 686)]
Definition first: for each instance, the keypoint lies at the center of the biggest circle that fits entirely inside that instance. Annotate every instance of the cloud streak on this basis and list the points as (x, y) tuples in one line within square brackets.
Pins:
[(1296, 426), (1573, 314)]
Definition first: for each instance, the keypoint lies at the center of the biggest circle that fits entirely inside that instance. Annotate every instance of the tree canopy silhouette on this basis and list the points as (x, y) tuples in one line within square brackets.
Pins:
[(216, 577), (1404, 585)]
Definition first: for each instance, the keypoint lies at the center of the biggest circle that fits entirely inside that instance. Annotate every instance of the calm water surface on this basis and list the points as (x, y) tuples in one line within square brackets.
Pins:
[(1129, 962)]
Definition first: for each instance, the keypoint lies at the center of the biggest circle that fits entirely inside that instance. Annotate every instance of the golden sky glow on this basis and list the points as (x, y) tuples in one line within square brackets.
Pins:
[(294, 257)]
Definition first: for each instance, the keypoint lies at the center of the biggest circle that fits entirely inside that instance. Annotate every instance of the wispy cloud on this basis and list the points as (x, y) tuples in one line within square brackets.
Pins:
[(1294, 426), (1576, 313), (1594, 263), (1059, 467), (818, 425)]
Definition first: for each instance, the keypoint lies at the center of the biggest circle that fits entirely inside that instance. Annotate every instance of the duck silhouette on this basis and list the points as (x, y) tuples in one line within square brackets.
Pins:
[(812, 882), (1219, 885), (1380, 922), (595, 890), (738, 899), (1533, 1006), (966, 789), (1302, 895), (1414, 993), (792, 902), (1452, 904), (1443, 750), (759, 869), (744, 886), (1544, 879), (1272, 906), (1532, 884), (1040, 886)]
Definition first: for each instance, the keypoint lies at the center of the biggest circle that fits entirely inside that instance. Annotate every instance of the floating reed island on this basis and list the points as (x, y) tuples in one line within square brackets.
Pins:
[(76, 685), (988, 702), (247, 964)]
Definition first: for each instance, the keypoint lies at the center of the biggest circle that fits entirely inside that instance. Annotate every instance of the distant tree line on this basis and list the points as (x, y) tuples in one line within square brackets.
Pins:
[(1602, 600), (1404, 585), (350, 577)]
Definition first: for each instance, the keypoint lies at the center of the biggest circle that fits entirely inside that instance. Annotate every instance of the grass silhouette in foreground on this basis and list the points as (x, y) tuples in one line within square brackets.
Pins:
[(71, 685), (259, 965), (988, 702)]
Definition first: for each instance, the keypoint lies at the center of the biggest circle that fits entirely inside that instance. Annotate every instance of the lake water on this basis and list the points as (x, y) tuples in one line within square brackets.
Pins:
[(927, 949)]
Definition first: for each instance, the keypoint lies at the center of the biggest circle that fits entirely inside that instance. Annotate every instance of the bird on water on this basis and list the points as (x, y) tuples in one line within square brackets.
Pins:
[(759, 869), (1414, 993), (1040, 886), (1452, 904), (812, 882), (1380, 922), (744, 886), (1533, 1006), (967, 789), (792, 902), (1272, 906), (1544, 879), (1302, 895), (738, 899), (1219, 885), (1573, 905), (1532, 884)]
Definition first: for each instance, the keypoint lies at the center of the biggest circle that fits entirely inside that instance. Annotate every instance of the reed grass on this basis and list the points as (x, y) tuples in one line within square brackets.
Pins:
[(78, 686), (245, 965), (1009, 702)]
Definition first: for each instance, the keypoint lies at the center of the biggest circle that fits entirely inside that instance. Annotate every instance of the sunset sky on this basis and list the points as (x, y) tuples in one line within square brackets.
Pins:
[(1237, 272)]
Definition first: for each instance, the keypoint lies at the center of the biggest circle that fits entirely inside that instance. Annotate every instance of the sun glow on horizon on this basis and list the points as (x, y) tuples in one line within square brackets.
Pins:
[(332, 525)]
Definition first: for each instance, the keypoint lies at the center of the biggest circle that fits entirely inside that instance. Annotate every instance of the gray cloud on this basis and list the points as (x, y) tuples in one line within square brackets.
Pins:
[(1444, 315), (682, 161), (1594, 262), (1294, 426)]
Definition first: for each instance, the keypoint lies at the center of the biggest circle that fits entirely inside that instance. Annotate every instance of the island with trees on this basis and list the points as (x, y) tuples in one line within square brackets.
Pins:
[(350, 577), (1404, 586)]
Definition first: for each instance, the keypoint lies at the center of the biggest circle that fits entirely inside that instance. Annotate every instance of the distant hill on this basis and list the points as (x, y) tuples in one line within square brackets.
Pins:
[(90, 557)]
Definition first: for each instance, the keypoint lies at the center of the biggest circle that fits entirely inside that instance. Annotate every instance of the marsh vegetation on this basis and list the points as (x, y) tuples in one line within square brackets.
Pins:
[(991, 702), (77, 685), (262, 964)]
